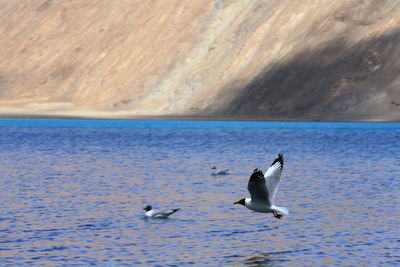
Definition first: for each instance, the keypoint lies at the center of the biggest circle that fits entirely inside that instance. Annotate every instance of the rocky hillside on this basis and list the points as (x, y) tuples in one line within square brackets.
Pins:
[(247, 59)]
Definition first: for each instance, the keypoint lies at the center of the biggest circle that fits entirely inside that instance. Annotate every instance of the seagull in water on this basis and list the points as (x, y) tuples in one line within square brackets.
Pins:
[(225, 172), (263, 188), (150, 213)]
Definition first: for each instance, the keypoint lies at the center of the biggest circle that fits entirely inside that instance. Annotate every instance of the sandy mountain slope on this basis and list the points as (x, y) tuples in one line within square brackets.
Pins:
[(251, 59)]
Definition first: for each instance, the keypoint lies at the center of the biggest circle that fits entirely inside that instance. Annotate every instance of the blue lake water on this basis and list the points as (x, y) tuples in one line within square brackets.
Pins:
[(72, 192)]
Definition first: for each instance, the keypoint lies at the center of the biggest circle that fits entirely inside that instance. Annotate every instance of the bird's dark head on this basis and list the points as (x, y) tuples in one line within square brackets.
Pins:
[(241, 202), (147, 208)]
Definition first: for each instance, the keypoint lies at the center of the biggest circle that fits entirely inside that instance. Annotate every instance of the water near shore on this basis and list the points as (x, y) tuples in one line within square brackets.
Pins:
[(72, 192)]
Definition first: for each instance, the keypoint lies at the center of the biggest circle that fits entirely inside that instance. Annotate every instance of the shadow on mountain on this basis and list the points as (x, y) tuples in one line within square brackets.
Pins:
[(335, 81)]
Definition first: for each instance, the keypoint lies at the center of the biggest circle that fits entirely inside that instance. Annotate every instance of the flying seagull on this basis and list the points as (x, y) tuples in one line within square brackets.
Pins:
[(263, 188), (150, 213)]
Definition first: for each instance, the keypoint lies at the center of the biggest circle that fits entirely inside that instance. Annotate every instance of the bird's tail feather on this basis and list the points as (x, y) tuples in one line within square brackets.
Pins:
[(174, 210), (282, 210)]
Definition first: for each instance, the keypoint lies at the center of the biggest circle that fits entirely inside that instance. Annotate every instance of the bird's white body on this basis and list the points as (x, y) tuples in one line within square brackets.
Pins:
[(257, 205), (159, 214), (264, 207), (149, 213)]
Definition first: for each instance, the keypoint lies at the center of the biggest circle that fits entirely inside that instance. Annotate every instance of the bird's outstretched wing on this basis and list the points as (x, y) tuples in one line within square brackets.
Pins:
[(257, 187), (273, 176), (164, 213)]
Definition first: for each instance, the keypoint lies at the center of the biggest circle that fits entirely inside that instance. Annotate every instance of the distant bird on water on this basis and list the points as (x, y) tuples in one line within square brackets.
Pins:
[(263, 188), (224, 172), (150, 213)]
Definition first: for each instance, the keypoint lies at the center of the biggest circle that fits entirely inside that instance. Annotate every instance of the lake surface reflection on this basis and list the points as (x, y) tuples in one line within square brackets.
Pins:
[(72, 192)]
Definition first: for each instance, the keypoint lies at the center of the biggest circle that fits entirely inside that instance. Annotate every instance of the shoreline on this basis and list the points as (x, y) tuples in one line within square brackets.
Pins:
[(91, 116)]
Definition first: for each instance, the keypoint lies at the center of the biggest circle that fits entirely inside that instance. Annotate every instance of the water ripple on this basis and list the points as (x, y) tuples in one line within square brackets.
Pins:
[(73, 193)]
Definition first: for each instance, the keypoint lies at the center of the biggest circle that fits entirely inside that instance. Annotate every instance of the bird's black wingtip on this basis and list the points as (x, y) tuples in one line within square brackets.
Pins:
[(278, 159)]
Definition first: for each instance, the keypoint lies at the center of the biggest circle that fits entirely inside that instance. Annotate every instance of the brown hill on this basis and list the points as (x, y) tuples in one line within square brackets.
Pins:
[(301, 60)]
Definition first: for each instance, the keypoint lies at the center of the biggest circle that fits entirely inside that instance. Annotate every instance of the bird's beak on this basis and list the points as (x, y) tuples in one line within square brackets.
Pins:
[(237, 202)]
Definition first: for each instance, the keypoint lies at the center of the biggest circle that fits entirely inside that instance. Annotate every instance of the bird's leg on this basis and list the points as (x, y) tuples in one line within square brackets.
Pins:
[(277, 215)]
